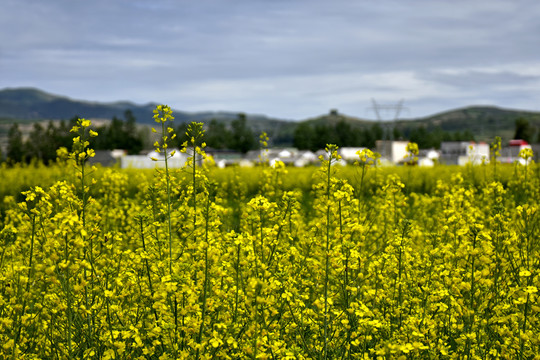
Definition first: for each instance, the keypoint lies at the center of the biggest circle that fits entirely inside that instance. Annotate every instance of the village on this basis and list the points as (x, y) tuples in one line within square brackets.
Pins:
[(392, 153)]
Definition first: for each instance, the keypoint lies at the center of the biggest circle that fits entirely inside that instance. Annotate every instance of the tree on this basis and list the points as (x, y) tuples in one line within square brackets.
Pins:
[(130, 122), (323, 135), (345, 134), (217, 135), (371, 135), (303, 137), (421, 137), (133, 140), (115, 134), (120, 134), (523, 130), (62, 136), (15, 149), (36, 142), (396, 134), (242, 138)]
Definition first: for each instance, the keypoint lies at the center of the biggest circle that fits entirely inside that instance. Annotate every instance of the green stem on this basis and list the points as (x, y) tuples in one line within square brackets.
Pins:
[(362, 181), (88, 251), (27, 289), (110, 329), (151, 287), (168, 180), (69, 300), (194, 195), (205, 283), (524, 327), (236, 283), (261, 218), (327, 258)]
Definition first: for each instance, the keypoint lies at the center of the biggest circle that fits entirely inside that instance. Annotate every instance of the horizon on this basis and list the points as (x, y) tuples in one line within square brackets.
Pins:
[(212, 111)]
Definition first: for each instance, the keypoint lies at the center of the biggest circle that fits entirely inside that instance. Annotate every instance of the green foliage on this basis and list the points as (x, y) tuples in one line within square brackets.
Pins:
[(309, 136), (43, 141), (120, 134), (523, 130), (217, 135), (242, 137), (304, 136), (15, 149), (375, 133), (237, 135)]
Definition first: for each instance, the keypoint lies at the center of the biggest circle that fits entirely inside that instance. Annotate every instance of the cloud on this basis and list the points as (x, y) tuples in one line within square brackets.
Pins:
[(292, 59)]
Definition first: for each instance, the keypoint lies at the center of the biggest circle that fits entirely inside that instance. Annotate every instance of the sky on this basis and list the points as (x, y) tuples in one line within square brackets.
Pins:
[(288, 59)]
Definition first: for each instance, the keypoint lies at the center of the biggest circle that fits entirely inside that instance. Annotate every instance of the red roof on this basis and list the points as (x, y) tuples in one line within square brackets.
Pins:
[(518, 142)]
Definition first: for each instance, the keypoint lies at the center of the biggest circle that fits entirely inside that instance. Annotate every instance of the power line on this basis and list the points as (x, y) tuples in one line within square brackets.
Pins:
[(397, 108)]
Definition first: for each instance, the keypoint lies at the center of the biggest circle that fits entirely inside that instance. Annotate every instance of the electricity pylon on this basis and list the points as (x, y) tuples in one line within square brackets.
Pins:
[(387, 107), (397, 108)]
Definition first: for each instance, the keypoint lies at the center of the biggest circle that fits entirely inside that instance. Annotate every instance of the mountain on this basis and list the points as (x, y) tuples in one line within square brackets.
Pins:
[(31, 104), (485, 122), (34, 104), (27, 105)]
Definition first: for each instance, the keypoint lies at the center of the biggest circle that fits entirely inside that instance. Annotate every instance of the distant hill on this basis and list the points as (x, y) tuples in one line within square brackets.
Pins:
[(333, 117), (33, 104), (485, 122)]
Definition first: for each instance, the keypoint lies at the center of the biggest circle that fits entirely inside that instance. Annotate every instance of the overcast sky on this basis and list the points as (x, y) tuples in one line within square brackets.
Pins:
[(291, 59)]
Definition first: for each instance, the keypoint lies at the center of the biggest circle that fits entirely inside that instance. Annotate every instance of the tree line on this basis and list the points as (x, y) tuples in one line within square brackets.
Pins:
[(236, 136), (123, 133), (120, 133), (315, 136), (43, 141)]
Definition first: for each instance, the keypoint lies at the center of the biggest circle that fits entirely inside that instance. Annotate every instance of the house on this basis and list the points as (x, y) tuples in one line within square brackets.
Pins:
[(428, 157), (224, 157), (305, 158), (177, 160), (464, 152), (107, 157), (392, 152), (350, 154), (288, 156), (510, 153)]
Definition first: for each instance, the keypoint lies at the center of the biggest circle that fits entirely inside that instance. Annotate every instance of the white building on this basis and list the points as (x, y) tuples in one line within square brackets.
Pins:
[(305, 158), (392, 152), (349, 154), (464, 152), (428, 157), (510, 153), (178, 160)]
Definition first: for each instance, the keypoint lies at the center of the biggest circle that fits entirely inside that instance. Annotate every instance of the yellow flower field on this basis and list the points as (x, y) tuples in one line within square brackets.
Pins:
[(332, 262)]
